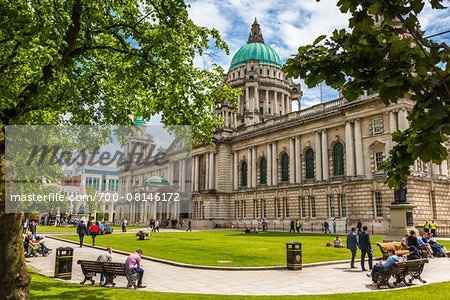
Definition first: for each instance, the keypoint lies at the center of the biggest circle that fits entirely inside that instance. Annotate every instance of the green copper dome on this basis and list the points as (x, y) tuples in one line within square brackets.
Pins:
[(265, 54), (139, 121)]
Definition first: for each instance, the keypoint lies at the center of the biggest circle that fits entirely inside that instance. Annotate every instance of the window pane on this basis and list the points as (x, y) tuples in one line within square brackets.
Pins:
[(378, 205), (378, 159), (343, 206), (377, 126), (302, 200), (331, 204), (263, 171), (285, 167), (312, 201), (244, 174), (309, 164), (338, 159)]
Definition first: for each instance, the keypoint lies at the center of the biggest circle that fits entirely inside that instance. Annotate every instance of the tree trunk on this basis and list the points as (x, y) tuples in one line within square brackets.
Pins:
[(14, 278)]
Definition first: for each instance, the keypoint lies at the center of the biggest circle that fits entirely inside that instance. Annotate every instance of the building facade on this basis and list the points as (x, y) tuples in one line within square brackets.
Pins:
[(314, 164)]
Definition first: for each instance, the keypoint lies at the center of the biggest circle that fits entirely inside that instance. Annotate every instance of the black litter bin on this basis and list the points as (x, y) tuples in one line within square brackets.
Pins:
[(63, 263), (294, 255)]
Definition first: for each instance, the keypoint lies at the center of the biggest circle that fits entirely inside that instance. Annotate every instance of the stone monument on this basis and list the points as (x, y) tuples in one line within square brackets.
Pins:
[(401, 212)]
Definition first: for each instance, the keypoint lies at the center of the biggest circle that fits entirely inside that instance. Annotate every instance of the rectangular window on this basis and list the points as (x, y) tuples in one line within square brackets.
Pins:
[(331, 206), (378, 159), (263, 208), (236, 209), (268, 72), (286, 208), (378, 205), (377, 126), (261, 111), (251, 68), (244, 210), (303, 207), (239, 74), (260, 71), (343, 203), (255, 209), (312, 205)]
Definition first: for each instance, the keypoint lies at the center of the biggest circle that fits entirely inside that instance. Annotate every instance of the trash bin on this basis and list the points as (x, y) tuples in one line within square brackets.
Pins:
[(294, 255), (63, 263)]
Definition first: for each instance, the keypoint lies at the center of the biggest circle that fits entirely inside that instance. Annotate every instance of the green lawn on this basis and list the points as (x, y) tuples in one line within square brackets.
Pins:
[(228, 248), (74, 229), (48, 288)]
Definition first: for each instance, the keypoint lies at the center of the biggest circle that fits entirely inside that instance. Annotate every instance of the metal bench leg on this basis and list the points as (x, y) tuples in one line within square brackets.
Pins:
[(109, 279), (88, 276)]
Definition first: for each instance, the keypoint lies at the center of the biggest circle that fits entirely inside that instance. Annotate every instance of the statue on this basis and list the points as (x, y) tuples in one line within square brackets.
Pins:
[(400, 194)]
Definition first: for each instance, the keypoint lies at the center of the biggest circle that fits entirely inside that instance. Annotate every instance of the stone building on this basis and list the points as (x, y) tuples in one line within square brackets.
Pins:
[(314, 164)]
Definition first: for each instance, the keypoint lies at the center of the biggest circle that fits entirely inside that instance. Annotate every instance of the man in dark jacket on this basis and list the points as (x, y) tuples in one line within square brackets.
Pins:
[(292, 226), (366, 247), (81, 230), (413, 254), (352, 244)]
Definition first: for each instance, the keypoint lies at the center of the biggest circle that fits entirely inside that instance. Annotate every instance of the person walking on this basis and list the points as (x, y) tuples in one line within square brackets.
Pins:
[(292, 226), (264, 225), (24, 227), (334, 225), (134, 262), (94, 232), (105, 257), (366, 247), (352, 245), (33, 228), (433, 228), (359, 226), (426, 226), (298, 225), (189, 228), (156, 225), (124, 225), (326, 227), (81, 230)]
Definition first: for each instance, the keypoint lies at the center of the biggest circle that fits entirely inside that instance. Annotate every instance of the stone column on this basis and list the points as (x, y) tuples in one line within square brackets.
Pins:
[(235, 170), (252, 101), (266, 103), (359, 149), (298, 163), (283, 107), (257, 99), (240, 106), (402, 121), (211, 171), (325, 167), (444, 168), (289, 104), (183, 175), (269, 164), (247, 103), (254, 166), (435, 169), (318, 163), (234, 120), (274, 164), (349, 149), (206, 155), (275, 103), (193, 173), (249, 167), (292, 160), (180, 174)]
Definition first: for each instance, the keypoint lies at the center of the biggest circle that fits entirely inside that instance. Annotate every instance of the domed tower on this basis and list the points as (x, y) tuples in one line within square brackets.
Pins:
[(268, 93)]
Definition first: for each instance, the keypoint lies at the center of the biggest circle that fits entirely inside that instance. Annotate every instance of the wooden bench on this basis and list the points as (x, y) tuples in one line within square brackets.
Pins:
[(111, 270), (399, 271), (400, 250)]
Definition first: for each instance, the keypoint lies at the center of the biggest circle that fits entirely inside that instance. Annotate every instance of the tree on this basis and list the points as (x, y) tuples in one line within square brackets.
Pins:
[(98, 62), (386, 51)]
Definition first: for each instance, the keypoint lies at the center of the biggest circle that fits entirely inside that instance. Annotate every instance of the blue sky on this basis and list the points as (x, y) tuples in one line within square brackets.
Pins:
[(285, 25)]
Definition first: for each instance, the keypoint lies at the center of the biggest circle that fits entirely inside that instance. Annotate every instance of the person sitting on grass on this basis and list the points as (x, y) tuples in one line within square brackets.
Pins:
[(413, 253), (255, 230), (142, 235), (392, 259), (246, 229), (337, 242)]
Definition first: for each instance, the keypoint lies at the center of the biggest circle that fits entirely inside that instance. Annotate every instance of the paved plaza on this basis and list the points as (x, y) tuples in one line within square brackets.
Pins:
[(161, 277)]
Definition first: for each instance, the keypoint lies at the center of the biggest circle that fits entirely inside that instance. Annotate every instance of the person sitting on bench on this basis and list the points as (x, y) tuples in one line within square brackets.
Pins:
[(413, 253), (134, 262), (392, 259)]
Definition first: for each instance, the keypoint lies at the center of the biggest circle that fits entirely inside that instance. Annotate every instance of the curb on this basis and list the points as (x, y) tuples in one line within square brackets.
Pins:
[(217, 268)]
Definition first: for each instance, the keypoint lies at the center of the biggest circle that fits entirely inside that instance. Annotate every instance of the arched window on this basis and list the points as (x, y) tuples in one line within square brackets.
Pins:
[(285, 167), (263, 171), (338, 159), (309, 163), (244, 174)]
